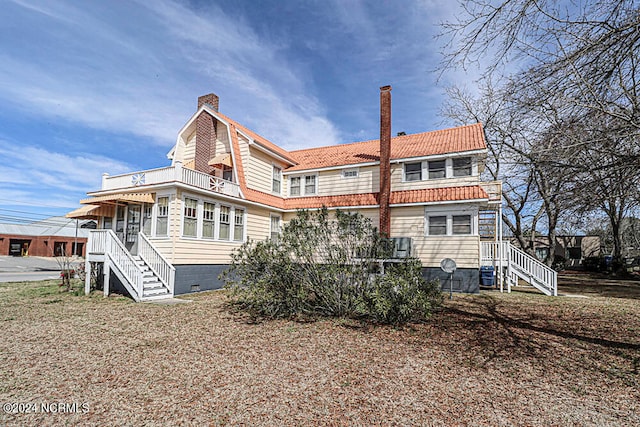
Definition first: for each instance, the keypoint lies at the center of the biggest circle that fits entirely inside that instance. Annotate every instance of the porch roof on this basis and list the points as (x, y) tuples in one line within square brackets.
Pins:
[(90, 212), (122, 197)]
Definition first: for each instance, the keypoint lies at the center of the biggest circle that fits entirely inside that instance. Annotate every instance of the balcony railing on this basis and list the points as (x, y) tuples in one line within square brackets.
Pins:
[(170, 174)]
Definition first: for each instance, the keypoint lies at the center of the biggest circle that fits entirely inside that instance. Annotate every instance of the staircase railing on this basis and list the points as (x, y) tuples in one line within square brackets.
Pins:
[(539, 275), (521, 264), (163, 270), (123, 261)]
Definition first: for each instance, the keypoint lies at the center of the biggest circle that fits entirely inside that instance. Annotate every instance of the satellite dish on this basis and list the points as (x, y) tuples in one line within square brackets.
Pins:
[(448, 265)]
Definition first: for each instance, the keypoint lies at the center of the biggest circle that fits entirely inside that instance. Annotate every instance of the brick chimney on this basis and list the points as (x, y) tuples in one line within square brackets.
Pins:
[(206, 132), (385, 156)]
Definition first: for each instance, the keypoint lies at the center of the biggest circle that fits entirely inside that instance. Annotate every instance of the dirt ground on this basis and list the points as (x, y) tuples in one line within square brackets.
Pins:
[(491, 359)]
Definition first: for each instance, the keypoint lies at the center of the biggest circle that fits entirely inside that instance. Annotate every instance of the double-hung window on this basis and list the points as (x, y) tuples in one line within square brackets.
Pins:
[(437, 169), (190, 221), (310, 184), (294, 186), (225, 223), (277, 180), (413, 171), (238, 224), (437, 225), (162, 216), (462, 166), (275, 227), (208, 220), (461, 224)]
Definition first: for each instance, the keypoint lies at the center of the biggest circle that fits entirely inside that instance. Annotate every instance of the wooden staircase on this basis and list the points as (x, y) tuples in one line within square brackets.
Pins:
[(152, 286), (517, 264)]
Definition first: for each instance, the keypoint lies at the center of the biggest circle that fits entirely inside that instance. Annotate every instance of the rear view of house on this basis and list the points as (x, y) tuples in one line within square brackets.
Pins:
[(171, 230)]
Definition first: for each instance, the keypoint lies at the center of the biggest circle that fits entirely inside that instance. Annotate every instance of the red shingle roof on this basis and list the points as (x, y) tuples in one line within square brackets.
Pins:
[(460, 139), (431, 195), (447, 194)]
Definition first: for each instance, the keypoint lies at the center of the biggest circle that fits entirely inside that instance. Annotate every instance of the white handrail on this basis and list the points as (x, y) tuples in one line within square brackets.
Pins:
[(125, 263), (156, 262), (529, 268)]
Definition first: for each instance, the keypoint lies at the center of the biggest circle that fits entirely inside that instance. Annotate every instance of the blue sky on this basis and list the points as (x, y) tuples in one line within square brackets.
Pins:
[(104, 86)]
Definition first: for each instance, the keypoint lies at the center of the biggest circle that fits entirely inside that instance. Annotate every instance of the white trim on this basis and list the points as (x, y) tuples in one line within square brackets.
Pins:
[(449, 213), (446, 202), (254, 143)]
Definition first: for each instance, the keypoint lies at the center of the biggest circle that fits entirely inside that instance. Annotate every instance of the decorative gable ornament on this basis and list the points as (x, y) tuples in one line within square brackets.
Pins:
[(137, 179)]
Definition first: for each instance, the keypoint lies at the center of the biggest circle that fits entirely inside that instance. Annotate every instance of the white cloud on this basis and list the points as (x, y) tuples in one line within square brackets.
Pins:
[(54, 179)]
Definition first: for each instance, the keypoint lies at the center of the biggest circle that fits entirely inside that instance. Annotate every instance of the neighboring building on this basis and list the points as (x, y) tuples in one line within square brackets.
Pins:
[(171, 230), (53, 236), (571, 250)]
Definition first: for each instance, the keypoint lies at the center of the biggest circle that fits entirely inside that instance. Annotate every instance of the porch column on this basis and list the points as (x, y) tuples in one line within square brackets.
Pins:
[(87, 277)]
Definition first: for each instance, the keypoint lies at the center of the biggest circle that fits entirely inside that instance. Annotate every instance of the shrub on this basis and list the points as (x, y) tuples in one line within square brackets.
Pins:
[(326, 266)]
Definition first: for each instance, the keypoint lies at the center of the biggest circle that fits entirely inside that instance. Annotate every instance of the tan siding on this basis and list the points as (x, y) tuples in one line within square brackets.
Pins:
[(332, 183), (222, 139), (465, 250), (258, 223), (189, 152), (259, 170), (409, 222)]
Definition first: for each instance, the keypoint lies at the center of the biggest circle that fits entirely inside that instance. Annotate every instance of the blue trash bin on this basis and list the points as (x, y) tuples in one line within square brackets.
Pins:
[(487, 277)]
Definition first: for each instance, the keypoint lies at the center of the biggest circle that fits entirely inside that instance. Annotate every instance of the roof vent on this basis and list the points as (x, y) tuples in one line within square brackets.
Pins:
[(401, 133)]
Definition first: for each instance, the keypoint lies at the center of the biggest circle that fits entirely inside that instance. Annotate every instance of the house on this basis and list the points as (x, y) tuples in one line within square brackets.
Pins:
[(570, 250), (171, 230), (54, 236)]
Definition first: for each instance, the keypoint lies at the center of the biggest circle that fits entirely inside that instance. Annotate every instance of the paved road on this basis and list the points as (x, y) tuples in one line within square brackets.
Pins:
[(28, 276), (21, 269)]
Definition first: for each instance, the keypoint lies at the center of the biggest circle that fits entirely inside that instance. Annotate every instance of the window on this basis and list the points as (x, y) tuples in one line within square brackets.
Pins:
[(162, 219), (413, 171), (277, 179), (461, 224), (310, 184), (190, 221), (275, 227), (224, 222), (438, 225), (294, 187), (238, 224), (146, 219), (208, 220), (437, 169), (462, 166), (350, 173)]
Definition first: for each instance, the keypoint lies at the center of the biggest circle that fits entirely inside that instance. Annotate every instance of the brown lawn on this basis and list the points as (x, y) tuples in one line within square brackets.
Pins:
[(493, 359)]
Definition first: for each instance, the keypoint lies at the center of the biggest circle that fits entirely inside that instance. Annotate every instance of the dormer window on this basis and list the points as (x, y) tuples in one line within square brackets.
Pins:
[(413, 171), (462, 166), (437, 169)]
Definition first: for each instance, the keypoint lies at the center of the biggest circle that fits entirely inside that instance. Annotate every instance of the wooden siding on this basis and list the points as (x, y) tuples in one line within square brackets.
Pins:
[(189, 152), (409, 222), (179, 250), (259, 170), (332, 182)]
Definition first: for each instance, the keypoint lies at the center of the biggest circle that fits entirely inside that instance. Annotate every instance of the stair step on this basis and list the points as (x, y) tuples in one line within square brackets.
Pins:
[(155, 291)]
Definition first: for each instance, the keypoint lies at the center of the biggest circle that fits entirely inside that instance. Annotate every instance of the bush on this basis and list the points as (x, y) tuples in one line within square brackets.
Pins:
[(326, 266)]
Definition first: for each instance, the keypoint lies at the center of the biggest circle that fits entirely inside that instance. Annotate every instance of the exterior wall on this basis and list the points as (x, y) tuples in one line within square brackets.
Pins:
[(259, 171), (332, 182), (409, 221), (466, 280), (189, 150), (41, 245), (397, 184), (195, 278), (181, 250)]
